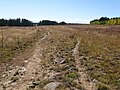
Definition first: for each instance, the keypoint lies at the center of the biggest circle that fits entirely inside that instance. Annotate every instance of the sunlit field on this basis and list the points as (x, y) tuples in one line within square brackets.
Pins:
[(99, 53)]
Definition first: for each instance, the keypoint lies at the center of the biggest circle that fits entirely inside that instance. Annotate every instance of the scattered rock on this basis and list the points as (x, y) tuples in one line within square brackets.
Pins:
[(51, 86), (4, 75), (26, 61), (59, 60), (35, 83), (84, 58)]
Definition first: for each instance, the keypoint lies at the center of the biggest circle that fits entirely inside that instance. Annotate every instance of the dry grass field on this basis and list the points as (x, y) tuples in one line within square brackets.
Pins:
[(14, 40), (73, 57)]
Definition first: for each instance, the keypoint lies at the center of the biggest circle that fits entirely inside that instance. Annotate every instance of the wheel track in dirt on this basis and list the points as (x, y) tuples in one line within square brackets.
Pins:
[(33, 64), (84, 78)]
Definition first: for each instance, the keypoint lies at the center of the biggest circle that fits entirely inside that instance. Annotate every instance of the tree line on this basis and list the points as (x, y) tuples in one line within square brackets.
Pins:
[(48, 22), (106, 21), (25, 22), (15, 22)]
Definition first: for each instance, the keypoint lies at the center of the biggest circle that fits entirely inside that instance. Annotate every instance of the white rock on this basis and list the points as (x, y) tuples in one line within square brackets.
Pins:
[(51, 86), (26, 61)]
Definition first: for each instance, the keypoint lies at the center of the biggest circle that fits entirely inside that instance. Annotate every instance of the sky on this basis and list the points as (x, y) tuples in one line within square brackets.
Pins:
[(70, 11)]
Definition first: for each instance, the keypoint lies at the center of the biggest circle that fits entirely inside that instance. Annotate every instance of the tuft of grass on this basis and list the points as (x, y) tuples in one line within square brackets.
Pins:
[(72, 75), (103, 87)]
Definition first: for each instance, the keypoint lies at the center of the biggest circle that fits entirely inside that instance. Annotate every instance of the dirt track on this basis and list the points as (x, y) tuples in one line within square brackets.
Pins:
[(53, 64), (84, 78)]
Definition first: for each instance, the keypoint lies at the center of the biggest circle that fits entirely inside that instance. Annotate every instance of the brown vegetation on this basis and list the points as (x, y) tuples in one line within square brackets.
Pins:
[(70, 57)]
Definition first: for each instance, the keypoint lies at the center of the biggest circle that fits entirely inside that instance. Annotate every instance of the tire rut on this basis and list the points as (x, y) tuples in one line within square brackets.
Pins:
[(84, 79), (21, 77)]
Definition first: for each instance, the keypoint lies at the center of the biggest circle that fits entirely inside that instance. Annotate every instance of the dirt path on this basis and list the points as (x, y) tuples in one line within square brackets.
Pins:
[(33, 66), (84, 79), (39, 68), (22, 77)]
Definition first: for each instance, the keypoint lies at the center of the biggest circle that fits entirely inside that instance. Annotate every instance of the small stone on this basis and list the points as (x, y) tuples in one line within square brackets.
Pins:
[(26, 61), (4, 75), (51, 86), (59, 60), (84, 58), (36, 83)]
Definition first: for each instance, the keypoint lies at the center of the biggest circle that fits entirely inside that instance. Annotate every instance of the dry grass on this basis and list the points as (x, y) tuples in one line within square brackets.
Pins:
[(99, 52), (14, 40)]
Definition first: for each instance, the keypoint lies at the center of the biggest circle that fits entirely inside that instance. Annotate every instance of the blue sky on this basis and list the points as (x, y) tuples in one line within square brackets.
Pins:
[(71, 11)]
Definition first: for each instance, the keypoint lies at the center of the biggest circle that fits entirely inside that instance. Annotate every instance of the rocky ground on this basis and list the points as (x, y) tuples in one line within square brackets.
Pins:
[(54, 63)]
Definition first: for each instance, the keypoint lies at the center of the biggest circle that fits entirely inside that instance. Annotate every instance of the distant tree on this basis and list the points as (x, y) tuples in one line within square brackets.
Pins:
[(112, 22), (103, 19), (106, 21), (47, 22), (18, 22), (26, 22), (118, 23), (11, 22), (96, 21), (3, 22), (109, 21), (39, 23), (62, 23), (15, 22)]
